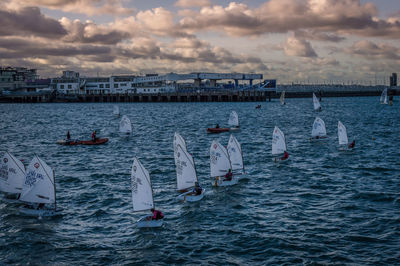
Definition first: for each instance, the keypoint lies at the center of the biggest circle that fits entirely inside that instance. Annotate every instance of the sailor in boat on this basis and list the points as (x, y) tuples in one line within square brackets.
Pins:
[(196, 190), (285, 156), (157, 215), (68, 137), (228, 176), (351, 145), (258, 106), (94, 136), (217, 126)]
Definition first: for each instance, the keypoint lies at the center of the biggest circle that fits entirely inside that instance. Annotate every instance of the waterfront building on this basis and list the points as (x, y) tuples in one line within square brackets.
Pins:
[(15, 78)]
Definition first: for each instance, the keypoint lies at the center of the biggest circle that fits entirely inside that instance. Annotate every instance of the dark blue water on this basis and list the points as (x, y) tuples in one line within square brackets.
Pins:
[(324, 206)]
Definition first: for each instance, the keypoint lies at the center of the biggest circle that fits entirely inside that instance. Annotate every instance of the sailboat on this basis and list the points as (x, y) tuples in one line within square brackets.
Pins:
[(342, 136), (220, 164), (142, 194), (317, 105), (318, 131), (178, 140), (233, 121), (186, 176), (384, 97), (125, 126), (12, 176), (279, 146), (116, 111), (282, 98), (236, 156), (39, 190)]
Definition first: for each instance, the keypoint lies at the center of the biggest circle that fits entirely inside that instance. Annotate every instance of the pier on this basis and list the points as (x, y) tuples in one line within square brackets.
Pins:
[(194, 96)]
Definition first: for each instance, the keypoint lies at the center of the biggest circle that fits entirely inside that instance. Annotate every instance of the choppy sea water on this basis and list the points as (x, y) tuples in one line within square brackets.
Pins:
[(324, 206)]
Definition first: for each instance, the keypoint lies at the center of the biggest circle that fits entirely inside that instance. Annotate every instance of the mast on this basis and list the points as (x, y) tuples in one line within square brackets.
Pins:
[(55, 197)]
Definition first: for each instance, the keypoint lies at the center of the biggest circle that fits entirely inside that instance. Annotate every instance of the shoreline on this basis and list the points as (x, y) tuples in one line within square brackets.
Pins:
[(195, 96)]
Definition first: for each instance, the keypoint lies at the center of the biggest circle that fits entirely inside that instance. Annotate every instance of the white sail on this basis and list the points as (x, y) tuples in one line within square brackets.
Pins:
[(278, 141), (235, 154), (342, 134), (12, 174), (125, 125), (318, 128), (317, 105), (233, 119), (116, 110), (185, 169), (219, 159), (142, 193), (39, 184), (282, 98), (384, 96)]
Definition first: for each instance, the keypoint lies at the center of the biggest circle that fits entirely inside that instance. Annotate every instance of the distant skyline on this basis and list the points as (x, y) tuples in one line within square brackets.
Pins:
[(290, 40)]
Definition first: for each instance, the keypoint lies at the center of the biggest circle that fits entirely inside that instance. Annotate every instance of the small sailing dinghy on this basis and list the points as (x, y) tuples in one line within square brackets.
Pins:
[(125, 126), (39, 190), (317, 105), (279, 146), (220, 165), (116, 111), (234, 121), (383, 99), (12, 176), (282, 98), (342, 137), (236, 157), (186, 176), (318, 131), (142, 194)]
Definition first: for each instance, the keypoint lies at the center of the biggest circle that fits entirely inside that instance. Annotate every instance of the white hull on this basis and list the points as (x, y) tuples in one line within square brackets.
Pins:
[(279, 160), (39, 212), (241, 176), (191, 198), (144, 223), (314, 139), (234, 129), (219, 182)]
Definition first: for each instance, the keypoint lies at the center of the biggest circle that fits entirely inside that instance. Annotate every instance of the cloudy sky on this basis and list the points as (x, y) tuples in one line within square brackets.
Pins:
[(290, 40)]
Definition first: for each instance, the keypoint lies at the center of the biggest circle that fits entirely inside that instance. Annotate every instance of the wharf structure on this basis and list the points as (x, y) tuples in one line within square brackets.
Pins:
[(23, 85)]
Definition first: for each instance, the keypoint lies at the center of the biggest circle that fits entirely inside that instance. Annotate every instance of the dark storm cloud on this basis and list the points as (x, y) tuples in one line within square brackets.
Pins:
[(29, 21), (40, 48)]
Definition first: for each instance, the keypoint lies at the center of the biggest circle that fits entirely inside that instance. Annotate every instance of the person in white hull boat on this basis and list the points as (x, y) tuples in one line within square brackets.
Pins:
[(284, 157), (157, 215), (197, 190), (228, 176)]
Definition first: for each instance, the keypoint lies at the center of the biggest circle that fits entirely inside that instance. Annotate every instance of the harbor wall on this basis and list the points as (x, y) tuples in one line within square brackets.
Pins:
[(195, 96)]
